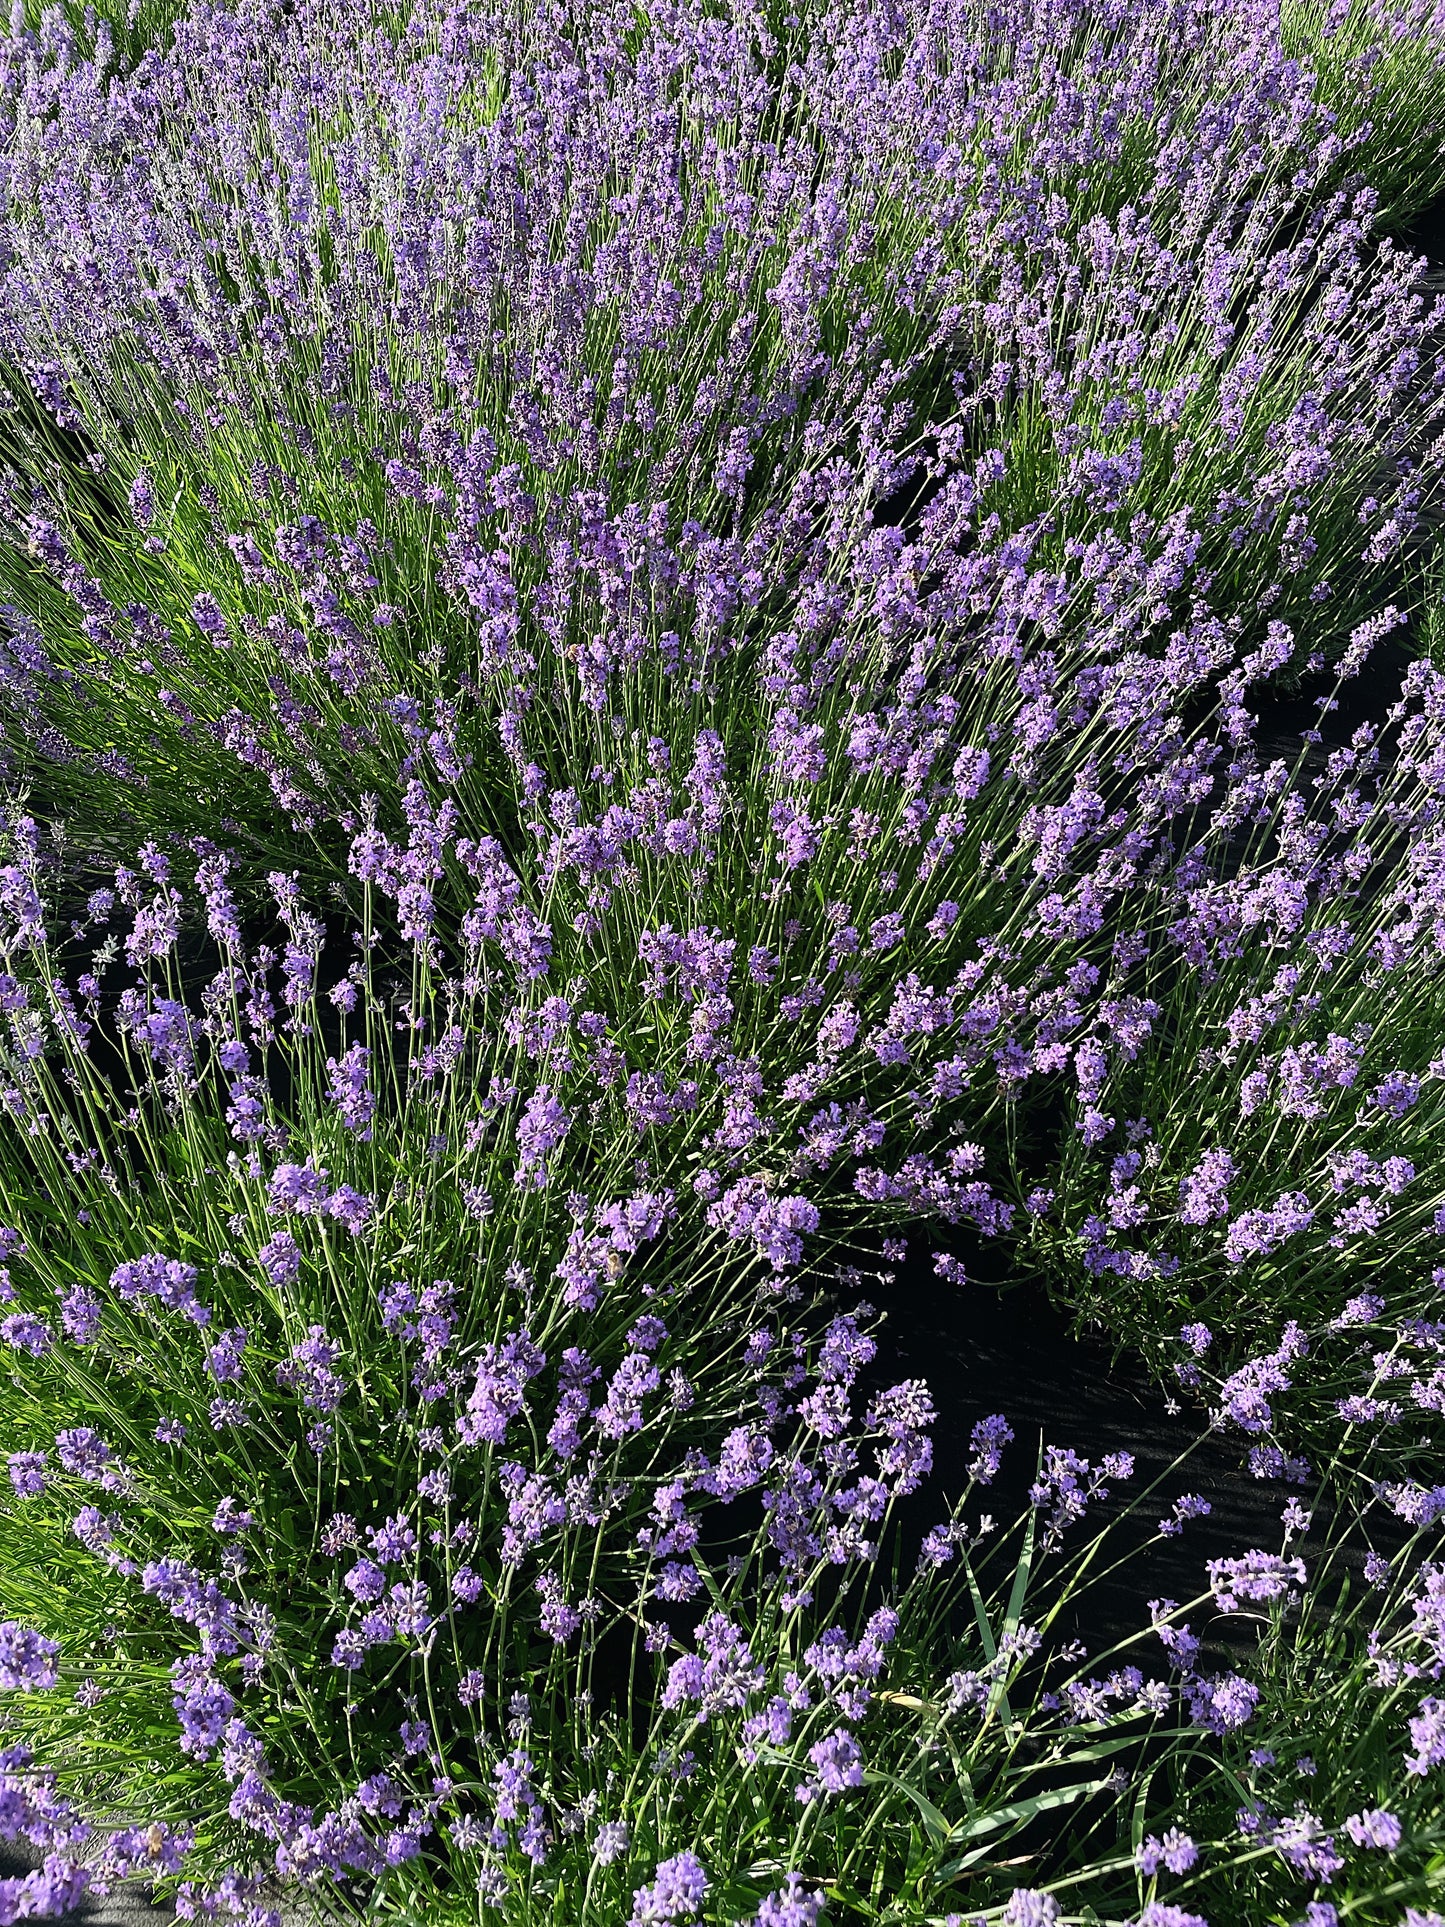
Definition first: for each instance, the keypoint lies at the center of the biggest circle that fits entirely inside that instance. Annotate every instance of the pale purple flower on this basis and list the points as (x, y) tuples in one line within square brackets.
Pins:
[(80, 1313), (792, 1905), (1427, 1737), (610, 1842), (498, 1394), (27, 1474), (1375, 1828), (280, 1259), (83, 1452), (349, 1092), (1176, 1851), (27, 1659), (1203, 1194), (309, 1371), (1221, 1703), (543, 1126), (675, 1894), (1028, 1907), (165, 1280), (988, 1439), (26, 1333), (1258, 1577), (838, 1763), (298, 1189)]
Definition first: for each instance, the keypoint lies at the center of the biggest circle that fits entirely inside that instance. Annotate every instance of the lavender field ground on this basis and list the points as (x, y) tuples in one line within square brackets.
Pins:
[(722, 963)]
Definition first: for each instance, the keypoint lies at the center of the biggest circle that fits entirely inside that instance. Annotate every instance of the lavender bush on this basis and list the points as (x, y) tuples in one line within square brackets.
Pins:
[(641, 647)]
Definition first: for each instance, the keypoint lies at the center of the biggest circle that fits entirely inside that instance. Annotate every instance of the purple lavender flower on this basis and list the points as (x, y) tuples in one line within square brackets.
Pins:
[(838, 1762), (309, 1371), (166, 1280), (350, 1093), (93, 1529), (1068, 1485), (1223, 1703), (1202, 1195), (1427, 1737), (393, 1541), (1244, 1395), (84, 1453), (543, 1126), (792, 1905), (610, 1842), (777, 1226), (141, 499), (675, 1894), (559, 1619), (724, 1675), (26, 1333), (407, 1610), (1176, 1851), (1028, 1907), (1301, 1841), (988, 1439), (280, 1259), (28, 1474), (203, 1707), (846, 1668), (366, 1581), (80, 1314), (231, 1518), (223, 1359), (50, 1892), (499, 1391), (1396, 1093), (1258, 1233), (349, 1208), (621, 1410), (1376, 1828), (1258, 1576), (27, 1659), (298, 1189)]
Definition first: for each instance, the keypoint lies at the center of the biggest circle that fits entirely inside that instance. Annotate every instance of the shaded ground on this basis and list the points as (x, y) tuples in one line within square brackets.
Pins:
[(983, 1349)]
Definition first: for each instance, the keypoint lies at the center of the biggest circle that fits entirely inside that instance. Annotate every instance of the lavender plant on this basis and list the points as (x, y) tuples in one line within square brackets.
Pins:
[(378, 1571), (724, 563), (1378, 68), (371, 516), (1287, 1131)]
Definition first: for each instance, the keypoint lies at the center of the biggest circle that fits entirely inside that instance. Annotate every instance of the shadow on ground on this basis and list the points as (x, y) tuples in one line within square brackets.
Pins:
[(984, 1349)]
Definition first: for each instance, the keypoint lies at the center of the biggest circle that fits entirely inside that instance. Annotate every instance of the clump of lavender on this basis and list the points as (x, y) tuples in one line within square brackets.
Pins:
[(603, 835), (363, 515), (566, 1451), (1288, 1138)]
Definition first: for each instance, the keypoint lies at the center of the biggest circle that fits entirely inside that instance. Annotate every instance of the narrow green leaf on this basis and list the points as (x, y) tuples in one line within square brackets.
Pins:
[(1014, 1616), (984, 1629), (934, 1822), (1017, 1813)]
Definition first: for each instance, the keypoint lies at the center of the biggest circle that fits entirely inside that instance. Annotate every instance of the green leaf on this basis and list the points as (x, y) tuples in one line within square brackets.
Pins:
[(998, 1698), (714, 1590), (935, 1825), (1016, 1813), (1100, 1750), (850, 1897), (1136, 1823), (984, 1629), (1014, 1614)]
